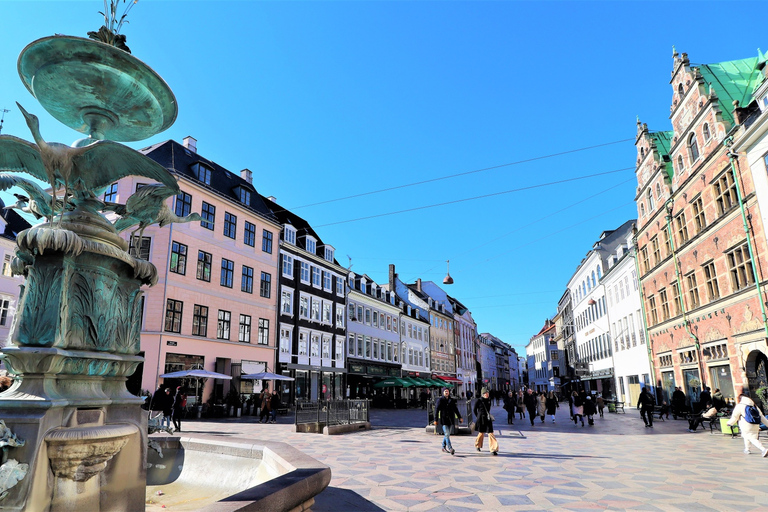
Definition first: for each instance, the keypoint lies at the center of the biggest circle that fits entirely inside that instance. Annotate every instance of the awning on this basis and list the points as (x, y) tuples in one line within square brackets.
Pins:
[(392, 382), (419, 382), (446, 378), (437, 383)]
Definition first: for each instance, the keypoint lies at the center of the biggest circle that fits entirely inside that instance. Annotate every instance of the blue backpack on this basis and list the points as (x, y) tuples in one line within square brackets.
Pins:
[(752, 415)]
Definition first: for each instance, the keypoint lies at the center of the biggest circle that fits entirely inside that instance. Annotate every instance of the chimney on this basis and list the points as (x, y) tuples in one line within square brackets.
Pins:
[(272, 198), (418, 284), (190, 143), (247, 175), (392, 276)]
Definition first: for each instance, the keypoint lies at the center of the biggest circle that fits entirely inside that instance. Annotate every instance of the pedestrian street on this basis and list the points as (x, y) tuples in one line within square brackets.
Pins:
[(616, 464)]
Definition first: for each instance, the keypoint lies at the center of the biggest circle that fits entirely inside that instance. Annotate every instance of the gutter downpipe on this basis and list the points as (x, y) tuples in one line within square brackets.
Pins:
[(732, 158), (686, 322), (642, 306)]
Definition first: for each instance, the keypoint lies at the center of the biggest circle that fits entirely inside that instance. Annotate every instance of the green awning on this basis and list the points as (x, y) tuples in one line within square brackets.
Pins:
[(441, 383), (392, 382), (420, 382)]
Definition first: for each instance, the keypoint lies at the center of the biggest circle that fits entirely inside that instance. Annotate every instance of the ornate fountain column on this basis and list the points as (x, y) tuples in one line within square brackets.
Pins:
[(75, 339)]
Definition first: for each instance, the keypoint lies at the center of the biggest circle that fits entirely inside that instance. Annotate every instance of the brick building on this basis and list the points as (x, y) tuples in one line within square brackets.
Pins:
[(700, 239)]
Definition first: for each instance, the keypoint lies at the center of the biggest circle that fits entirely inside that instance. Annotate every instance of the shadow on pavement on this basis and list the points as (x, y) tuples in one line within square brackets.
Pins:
[(334, 499)]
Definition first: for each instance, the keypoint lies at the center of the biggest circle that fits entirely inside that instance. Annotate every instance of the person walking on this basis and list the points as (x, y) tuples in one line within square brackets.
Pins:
[(531, 403), (446, 412), (552, 405), (541, 406), (749, 418), (645, 403), (274, 405), (510, 404), (484, 424), (589, 410), (156, 403), (266, 400), (578, 408), (600, 404), (521, 404), (179, 403)]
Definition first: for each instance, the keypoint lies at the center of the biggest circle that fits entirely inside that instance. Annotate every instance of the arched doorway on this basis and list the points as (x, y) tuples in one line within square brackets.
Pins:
[(757, 373)]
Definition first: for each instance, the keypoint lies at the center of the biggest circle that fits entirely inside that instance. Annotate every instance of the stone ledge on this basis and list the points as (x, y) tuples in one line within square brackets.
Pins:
[(343, 429)]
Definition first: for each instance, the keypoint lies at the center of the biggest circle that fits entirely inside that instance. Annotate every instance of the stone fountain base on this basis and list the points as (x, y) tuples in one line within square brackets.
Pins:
[(211, 474)]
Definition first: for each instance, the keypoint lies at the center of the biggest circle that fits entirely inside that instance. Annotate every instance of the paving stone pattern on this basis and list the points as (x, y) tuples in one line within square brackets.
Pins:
[(618, 464)]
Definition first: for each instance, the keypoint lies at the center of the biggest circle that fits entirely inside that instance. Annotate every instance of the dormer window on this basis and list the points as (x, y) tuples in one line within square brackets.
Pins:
[(289, 235), (311, 245), (693, 148), (202, 173), (329, 253), (244, 195)]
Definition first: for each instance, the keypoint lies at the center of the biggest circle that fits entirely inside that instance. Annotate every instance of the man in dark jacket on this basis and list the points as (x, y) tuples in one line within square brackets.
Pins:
[(645, 403), (530, 404), (446, 412)]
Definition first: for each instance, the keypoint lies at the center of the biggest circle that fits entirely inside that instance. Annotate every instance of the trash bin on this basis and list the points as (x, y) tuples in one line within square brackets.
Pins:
[(725, 429), (611, 407)]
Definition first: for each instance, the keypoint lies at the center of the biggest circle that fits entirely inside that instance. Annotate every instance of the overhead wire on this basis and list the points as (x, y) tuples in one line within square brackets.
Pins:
[(474, 198), (457, 175)]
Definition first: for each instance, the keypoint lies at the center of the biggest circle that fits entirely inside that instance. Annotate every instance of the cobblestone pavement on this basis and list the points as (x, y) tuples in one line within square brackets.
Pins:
[(617, 464)]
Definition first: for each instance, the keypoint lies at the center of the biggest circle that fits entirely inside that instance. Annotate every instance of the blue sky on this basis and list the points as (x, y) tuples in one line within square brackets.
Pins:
[(323, 100)]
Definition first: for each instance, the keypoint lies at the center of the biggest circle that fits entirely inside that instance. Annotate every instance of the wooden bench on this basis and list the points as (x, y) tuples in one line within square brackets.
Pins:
[(282, 410), (618, 407)]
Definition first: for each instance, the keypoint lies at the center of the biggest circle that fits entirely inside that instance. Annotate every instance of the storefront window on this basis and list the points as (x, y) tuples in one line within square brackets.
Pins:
[(667, 386), (302, 385), (721, 379), (692, 385)]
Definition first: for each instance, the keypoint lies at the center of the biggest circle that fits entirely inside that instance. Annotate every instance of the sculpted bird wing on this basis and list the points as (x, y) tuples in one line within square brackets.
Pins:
[(18, 155), (145, 206), (105, 162), (32, 189)]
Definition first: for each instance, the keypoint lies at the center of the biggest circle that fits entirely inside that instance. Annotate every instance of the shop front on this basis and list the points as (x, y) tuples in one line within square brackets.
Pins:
[(311, 383), (361, 377), (600, 381)]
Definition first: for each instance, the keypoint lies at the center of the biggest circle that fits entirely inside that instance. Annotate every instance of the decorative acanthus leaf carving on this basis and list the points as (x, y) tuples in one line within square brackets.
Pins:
[(40, 311)]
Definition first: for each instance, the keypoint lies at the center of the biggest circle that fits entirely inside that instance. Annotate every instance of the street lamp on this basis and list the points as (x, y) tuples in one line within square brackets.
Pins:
[(448, 279)]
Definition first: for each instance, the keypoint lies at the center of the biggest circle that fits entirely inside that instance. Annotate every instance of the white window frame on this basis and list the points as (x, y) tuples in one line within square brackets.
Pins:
[(311, 245), (304, 267), (287, 266), (289, 234), (286, 342), (316, 277), (289, 293)]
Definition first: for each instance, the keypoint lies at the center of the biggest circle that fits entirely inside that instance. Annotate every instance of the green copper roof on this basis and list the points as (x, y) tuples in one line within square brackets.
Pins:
[(735, 80), (663, 142)]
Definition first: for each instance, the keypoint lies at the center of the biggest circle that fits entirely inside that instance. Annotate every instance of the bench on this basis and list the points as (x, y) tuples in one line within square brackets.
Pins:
[(618, 407), (282, 410), (657, 412)]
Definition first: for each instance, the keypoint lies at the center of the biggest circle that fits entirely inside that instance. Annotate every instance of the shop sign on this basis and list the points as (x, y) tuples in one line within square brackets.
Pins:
[(171, 343)]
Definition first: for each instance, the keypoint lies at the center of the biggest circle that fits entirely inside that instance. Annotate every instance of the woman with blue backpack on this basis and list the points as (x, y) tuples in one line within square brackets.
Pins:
[(749, 418)]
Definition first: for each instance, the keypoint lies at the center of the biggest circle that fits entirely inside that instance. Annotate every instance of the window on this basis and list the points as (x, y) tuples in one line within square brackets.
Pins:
[(698, 215), (667, 246), (339, 286), (311, 245), (710, 277), (178, 258), (656, 251), (289, 234), (5, 305), (315, 303), (740, 266), (285, 340), (230, 225), (173, 310), (316, 276), (244, 334), (204, 266), (287, 266), (368, 316), (266, 241), (110, 195), (200, 321), (183, 204), (642, 210), (682, 228), (676, 293), (326, 347), (227, 272), (246, 280), (339, 316), (658, 191), (651, 205), (680, 165), (644, 260), (202, 173), (141, 252), (222, 328), (304, 307), (265, 287), (329, 254), (244, 195), (327, 281), (263, 331), (208, 214), (693, 290), (664, 304), (7, 270), (314, 345), (652, 310), (286, 302), (249, 235), (326, 312), (693, 148), (725, 193), (705, 132)]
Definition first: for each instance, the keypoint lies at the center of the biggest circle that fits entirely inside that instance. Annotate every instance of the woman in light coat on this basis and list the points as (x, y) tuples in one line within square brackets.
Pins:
[(748, 430), (484, 424), (541, 407), (578, 408)]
